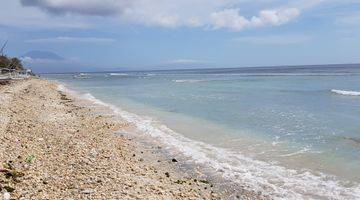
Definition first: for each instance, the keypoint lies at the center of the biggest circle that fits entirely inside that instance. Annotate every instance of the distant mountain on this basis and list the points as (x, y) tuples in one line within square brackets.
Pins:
[(50, 62), (45, 55)]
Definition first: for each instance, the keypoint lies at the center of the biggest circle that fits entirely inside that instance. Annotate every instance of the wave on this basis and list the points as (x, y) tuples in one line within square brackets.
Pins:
[(187, 81), (273, 180), (345, 92), (301, 151), (118, 74)]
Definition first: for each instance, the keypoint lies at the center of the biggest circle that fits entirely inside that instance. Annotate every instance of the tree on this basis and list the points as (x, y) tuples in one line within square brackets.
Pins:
[(4, 61), (7, 63), (16, 64)]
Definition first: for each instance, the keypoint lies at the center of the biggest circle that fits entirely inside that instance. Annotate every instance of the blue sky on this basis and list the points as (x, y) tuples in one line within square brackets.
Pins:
[(159, 34)]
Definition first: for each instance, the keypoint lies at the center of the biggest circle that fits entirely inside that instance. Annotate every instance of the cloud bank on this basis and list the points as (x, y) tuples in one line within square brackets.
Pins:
[(85, 7), (213, 14), (230, 18)]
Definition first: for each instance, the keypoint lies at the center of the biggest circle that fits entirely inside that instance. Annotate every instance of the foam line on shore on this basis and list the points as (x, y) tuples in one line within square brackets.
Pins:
[(276, 181)]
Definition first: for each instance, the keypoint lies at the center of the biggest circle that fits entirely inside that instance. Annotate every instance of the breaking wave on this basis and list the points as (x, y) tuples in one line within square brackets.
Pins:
[(187, 81), (346, 92), (118, 74)]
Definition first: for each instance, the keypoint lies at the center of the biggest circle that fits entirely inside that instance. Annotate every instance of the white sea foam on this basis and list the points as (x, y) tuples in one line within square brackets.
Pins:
[(346, 92), (276, 181), (61, 87), (118, 74), (301, 151), (187, 81)]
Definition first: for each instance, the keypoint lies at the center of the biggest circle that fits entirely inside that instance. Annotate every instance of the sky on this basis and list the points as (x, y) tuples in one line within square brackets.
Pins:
[(165, 34)]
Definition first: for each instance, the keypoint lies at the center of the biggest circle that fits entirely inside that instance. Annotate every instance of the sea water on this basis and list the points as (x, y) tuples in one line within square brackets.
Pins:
[(288, 132)]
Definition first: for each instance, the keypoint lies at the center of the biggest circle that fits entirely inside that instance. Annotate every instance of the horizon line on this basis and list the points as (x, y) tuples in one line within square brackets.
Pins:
[(211, 68)]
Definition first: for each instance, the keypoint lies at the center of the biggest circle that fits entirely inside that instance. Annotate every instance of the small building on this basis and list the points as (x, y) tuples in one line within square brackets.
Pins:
[(16, 74)]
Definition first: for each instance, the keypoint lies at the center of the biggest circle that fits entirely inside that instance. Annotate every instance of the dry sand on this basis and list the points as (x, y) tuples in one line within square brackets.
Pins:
[(53, 147)]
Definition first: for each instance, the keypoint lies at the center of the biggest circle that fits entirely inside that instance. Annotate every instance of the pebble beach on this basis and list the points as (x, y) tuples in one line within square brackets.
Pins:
[(54, 147)]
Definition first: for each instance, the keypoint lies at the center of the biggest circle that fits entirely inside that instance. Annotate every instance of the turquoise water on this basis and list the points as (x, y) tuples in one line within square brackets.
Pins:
[(302, 122)]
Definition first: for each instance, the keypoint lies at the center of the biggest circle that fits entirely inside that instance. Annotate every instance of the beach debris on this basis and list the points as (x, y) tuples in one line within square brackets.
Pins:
[(88, 191), (167, 174), (173, 160), (9, 171), (8, 188), (204, 181), (5, 82), (63, 97), (31, 159), (7, 196), (13, 174), (7, 166), (180, 182)]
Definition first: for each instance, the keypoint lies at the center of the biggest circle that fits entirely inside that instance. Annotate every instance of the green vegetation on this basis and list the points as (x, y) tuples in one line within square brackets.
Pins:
[(31, 159), (13, 64)]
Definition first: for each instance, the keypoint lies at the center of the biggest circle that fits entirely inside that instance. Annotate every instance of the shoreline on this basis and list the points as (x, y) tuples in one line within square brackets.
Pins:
[(233, 171), (61, 148)]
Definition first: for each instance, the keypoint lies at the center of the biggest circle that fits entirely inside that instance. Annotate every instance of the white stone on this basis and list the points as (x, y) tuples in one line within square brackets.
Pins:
[(7, 196), (88, 191), (93, 153)]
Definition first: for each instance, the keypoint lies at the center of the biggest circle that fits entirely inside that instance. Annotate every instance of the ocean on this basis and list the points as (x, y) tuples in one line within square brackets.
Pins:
[(287, 132)]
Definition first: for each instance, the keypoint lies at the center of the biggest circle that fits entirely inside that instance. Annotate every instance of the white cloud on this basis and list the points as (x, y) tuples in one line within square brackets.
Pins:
[(274, 39), (63, 39), (276, 17), (174, 13), (29, 60), (230, 18)]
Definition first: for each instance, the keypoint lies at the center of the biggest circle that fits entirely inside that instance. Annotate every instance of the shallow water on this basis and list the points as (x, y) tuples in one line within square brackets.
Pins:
[(288, 132)]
